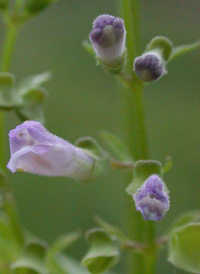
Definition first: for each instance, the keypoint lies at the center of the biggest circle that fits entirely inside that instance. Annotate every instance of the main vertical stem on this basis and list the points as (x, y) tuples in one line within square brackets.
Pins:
[(9, 203), (140, 230)]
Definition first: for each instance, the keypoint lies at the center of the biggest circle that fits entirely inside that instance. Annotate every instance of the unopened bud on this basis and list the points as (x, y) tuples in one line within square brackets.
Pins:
[(152, 199), (149, 67), (108, 38)]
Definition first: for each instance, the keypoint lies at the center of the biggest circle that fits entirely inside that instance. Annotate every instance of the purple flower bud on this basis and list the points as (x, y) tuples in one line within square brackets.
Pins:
[(35, 150), (151, 199), (149, 67), (108, 38)]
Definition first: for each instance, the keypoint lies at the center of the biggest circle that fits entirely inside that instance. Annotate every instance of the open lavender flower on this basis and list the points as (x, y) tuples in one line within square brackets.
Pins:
[(108, 38), (35, 150), (151, 199), (149, 67)]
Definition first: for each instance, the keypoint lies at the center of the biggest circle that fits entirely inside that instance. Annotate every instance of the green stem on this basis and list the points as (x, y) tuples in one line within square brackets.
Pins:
[(9, 203), (12, 30), (139, 230)]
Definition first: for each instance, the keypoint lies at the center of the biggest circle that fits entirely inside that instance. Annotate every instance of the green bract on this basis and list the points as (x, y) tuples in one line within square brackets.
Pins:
[(9, 97), (161, 45), (26, 98), (94, 149), (184, 251), (118, 148), (103, 253), (143, 169)]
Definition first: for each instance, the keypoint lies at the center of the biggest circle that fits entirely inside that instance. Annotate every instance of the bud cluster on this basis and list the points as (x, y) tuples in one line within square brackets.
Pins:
[(108, 39)]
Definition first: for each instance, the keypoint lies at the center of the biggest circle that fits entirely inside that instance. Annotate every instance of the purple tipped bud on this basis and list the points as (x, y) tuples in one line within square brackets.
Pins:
[(151, 199), (108, 38), (149, 67)]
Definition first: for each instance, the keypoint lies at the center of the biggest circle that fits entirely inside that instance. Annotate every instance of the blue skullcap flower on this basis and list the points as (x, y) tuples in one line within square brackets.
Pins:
[(35, 150), (151, 199)]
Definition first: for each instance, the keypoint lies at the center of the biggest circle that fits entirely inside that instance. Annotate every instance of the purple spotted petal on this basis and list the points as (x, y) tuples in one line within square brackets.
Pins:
[(108, 37), (35, 150), (152, 199)]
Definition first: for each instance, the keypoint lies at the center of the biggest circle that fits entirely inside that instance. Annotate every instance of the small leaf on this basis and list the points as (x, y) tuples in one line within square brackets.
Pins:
[(63, 242), (103, 253), (161, 44), (180, 50), (34, 81), (30, 263), (184, 248), (188, 217), (89, 48), (9, 97), (32, 108), (53, 254), (168, 164), (143, 169), (94, 149), (112, 230), (33, 257), (117, 146)]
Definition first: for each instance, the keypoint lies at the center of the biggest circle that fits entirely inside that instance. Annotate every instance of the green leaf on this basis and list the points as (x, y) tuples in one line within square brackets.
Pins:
[(178, 51), (112, 230), (34, 81), (143, 169), (184, 248), (90, 146), (161, 45), (103, 253), (188, 217), (117, 147), (9, 97), (32, 108), (33, 257)]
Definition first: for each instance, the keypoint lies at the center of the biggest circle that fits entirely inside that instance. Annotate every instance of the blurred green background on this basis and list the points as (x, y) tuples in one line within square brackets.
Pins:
[(83, 99)]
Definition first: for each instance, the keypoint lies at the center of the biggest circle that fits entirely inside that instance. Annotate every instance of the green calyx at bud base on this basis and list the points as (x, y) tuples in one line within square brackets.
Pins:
[(151, 66), (35, 6)]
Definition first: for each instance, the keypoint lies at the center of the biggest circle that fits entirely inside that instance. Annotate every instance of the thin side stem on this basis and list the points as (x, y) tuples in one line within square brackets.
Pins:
[(12, 30)]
